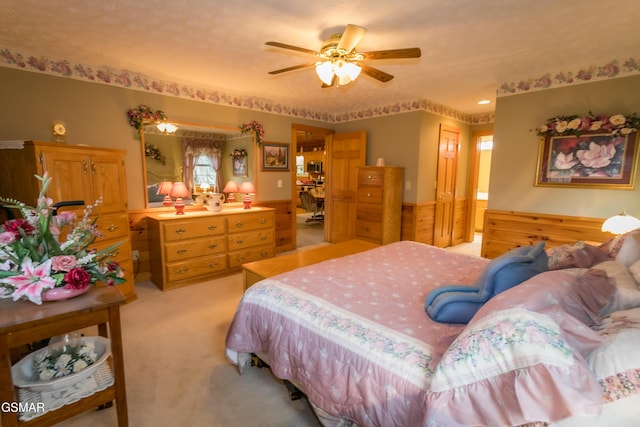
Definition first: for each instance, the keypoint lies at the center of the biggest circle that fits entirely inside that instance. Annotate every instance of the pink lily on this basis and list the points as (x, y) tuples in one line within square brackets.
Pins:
[(32, 281)]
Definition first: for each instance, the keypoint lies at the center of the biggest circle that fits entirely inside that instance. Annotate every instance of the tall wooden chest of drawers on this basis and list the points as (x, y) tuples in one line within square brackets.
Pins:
[(201, 245), (379, 203)]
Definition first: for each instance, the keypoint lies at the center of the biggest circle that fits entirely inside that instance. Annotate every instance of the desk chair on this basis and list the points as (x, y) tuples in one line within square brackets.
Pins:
[(310, 204)]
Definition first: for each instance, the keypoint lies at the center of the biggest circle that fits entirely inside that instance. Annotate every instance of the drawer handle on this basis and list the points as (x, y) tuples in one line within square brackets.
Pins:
[(241, 259), (212, 227), (181, 251), (369, 176), (214, 264), (111, 254), (180, 231), (239, 241), (182, 270), (263, 237), (112, 228), (263, 221), (239, 224), (264, 254), (367, 229), (213, 246), (368, 194)]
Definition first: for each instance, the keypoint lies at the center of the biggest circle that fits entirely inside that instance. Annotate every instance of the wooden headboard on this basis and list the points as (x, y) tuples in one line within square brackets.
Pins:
[(505, 230)]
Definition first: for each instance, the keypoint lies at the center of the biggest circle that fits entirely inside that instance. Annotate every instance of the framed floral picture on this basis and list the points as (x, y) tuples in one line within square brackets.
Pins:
[(275, 156), (590, 160)]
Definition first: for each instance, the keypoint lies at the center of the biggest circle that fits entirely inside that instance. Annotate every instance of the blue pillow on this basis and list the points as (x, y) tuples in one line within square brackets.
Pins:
[(458, 304)]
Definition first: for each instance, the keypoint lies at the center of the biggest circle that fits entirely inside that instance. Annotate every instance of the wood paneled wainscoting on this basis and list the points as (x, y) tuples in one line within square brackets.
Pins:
[(418, 220), (140, 234), (505, 230)]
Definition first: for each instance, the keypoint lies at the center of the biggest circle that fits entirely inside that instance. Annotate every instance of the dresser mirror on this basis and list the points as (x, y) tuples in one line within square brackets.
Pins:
[(170, 157)]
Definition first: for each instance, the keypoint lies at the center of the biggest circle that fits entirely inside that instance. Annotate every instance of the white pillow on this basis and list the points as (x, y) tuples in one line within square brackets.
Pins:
[(627, 293), (620, 350), (630, 249)]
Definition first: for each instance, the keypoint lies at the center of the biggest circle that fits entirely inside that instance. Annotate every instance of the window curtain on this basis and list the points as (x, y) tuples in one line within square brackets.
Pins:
[(194, 147)]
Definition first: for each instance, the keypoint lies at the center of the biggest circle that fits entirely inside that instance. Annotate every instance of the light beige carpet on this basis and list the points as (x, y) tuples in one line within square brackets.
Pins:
[(176, 370)]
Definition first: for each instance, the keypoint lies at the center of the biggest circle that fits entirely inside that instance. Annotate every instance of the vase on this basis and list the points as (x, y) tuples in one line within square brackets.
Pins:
[(58, 294)]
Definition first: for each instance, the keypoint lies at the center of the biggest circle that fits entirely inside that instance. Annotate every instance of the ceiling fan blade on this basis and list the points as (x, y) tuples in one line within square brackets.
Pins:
[(375, 73), (295, 67), (351, 37), (290, 47), (411, 52)]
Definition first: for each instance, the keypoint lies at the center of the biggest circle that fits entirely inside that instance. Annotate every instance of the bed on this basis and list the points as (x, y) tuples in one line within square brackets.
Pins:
[(561, 348)]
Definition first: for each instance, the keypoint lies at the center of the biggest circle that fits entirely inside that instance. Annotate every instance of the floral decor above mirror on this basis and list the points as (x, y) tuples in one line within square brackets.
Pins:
[(254, 127), (143, 114)]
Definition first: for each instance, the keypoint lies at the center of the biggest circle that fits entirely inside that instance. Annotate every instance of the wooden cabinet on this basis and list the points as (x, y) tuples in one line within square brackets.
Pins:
[(198, 246), (78, 173), (379, 203)]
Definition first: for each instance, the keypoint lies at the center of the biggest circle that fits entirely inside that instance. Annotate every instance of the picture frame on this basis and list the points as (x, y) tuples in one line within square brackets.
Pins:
[(239, 166), (275, 156), (590, 160)]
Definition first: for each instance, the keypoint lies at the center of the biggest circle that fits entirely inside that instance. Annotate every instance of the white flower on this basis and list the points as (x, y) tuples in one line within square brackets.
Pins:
[(63, 360), (561, 126), (575, 123), (617, 120), (47, 374), (595, 125), (626, 131), (79, 365), (544, 128)]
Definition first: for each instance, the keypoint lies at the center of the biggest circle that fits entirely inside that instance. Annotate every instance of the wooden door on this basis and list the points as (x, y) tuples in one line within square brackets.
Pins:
[(446, 186), (346, 152), (71, 174), (108, 181)]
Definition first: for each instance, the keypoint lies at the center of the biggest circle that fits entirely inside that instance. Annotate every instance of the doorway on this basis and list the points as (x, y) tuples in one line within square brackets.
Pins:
[(309, 145), (479, 172)]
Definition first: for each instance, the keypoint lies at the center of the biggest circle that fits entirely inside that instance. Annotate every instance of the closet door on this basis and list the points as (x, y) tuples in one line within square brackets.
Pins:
[(346, 153)]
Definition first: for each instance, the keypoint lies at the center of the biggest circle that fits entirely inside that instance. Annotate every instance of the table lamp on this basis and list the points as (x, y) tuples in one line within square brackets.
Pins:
[(247, 188), (205, 187), (165, 188), (621, 223), (231, 188), (179, 190)]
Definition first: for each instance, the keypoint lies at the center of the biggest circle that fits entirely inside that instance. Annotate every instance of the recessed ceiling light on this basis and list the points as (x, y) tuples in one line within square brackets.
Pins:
[(484, 102)]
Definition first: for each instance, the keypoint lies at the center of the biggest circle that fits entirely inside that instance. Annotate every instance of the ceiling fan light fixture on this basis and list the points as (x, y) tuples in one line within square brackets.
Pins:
[(345, 71)]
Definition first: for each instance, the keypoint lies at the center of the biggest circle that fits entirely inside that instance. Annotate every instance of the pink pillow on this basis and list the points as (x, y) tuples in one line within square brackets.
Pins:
[(580, 255)]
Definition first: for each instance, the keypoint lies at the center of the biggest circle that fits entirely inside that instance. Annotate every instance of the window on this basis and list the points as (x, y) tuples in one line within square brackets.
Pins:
[(203, 171)]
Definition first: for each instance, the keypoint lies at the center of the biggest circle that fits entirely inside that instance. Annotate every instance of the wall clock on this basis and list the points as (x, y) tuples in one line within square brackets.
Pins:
[(58, 132)]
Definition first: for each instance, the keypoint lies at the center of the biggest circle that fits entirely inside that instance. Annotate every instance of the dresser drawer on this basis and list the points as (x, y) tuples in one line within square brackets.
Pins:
[(369, 212), (194, 248), (202, 227), (250, 239), (257, 254), (113, 226), (369, 195), (369, 229), (371, 176), (252, 221), (196, 267), (121, 252)]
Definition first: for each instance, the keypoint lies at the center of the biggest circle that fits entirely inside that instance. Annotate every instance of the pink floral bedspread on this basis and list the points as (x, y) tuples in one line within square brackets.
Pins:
[(353, 334)]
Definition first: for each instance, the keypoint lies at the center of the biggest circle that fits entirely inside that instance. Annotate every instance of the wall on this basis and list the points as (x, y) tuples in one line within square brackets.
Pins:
[(513, 165), (95, 114)]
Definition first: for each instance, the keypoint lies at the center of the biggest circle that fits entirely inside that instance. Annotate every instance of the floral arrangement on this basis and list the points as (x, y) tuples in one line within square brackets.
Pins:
[(32, 260), (239, 153), (144, 114), (153, 151), (617, 124), (254, 127), (61, 362)]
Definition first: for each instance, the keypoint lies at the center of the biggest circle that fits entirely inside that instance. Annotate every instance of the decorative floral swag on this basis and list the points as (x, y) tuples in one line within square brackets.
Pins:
[(239, 153), (254, 127), (143, 114), (617, 124)]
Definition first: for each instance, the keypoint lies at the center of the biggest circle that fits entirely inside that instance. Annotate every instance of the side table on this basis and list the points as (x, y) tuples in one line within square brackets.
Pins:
[(23, 322)]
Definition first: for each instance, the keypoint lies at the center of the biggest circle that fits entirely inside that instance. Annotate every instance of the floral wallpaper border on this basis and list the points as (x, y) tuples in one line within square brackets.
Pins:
[(105, 75)]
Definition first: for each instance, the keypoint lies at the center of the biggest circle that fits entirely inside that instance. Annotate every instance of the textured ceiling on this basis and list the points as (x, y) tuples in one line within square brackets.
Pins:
[(469, 47)]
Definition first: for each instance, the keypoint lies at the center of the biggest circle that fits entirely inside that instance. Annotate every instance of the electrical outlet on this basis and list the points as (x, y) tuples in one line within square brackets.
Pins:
[(136, 255)]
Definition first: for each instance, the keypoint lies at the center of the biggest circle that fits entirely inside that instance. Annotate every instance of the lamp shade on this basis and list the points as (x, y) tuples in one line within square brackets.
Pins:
[(621, 223)]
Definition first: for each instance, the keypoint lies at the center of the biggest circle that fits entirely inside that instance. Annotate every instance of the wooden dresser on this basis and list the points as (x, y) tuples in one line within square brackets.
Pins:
[(201, 245), (78, 173), (379, 203)]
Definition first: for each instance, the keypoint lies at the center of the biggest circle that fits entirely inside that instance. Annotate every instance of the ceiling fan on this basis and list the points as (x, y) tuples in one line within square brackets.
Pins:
[(338, 63)]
